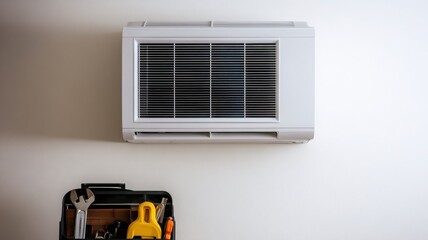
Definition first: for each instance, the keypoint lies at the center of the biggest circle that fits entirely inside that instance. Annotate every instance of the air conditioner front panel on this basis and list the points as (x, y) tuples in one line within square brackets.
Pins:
[(224, 79)]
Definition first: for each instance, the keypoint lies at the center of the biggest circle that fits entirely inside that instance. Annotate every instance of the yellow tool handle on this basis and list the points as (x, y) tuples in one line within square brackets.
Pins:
[(145, 225)]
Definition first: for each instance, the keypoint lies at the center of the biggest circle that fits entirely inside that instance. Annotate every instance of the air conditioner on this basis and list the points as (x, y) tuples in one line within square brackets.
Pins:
[(218, 82)]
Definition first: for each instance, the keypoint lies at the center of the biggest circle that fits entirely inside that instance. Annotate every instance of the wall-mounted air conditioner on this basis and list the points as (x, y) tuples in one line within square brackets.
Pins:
[(218, 82)]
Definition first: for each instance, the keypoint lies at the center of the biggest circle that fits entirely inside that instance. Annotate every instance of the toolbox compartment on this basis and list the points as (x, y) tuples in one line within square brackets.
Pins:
[(113, 202)]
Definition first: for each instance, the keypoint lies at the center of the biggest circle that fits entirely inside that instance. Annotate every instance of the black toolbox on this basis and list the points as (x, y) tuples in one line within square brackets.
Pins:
[(114, 204)]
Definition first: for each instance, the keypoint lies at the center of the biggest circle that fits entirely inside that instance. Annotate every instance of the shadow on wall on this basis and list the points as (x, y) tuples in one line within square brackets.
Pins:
[(17, 212), (61, 82)]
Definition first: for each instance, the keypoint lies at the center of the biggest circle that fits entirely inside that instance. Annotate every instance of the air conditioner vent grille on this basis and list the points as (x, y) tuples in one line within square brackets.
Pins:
[(207, 80)]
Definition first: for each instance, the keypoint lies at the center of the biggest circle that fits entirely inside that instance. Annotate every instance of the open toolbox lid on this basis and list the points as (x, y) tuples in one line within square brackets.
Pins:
[(113, 202)]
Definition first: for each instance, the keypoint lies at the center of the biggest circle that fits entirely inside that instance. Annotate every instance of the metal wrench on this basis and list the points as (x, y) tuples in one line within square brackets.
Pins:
[(81, 205)]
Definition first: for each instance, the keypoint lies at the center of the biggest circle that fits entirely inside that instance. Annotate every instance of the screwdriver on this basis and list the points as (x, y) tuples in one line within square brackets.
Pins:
[(168, 228)]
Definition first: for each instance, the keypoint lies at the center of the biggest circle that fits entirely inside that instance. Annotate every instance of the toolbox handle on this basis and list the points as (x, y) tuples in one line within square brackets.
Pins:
[(103, 185)]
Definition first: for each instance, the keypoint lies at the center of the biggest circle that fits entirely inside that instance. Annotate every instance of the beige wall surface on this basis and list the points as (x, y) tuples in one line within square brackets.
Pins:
[(364, 176)]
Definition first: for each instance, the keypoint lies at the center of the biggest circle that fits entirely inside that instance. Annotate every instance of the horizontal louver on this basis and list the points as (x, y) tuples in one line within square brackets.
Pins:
[(207, 80)]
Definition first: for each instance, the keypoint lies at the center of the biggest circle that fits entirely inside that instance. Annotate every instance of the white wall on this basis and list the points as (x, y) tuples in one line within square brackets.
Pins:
[(363, 177)]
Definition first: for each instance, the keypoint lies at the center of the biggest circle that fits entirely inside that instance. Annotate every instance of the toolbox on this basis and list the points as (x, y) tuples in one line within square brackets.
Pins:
[(113, 211)]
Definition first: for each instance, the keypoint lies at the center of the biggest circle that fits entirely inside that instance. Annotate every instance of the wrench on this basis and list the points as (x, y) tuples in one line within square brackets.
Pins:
[(81, 205)]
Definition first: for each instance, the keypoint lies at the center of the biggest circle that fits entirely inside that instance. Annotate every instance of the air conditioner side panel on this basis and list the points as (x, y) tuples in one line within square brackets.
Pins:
[(127, 82), (297, 64)]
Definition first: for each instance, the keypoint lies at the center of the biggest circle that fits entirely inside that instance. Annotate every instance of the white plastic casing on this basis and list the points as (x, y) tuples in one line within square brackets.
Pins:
[(295, 93)]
